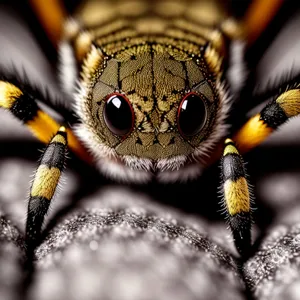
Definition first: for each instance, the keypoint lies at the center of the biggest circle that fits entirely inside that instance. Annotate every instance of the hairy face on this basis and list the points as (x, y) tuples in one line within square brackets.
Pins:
[(150, 110)]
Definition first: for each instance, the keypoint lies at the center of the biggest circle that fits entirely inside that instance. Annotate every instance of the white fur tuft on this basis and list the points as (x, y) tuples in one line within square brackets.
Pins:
[(68, 68), (188, 172), (171, 164), (138, 163), (90, 138), (237, 71), (121, 172)]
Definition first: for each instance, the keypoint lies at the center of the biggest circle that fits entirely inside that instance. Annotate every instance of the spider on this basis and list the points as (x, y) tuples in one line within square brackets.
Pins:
[(152, 96)]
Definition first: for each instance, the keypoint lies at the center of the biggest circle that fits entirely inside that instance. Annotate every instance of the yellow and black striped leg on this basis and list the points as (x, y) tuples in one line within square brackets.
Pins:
[(44, 185), (236, 197), (20, 98), (273, 115)]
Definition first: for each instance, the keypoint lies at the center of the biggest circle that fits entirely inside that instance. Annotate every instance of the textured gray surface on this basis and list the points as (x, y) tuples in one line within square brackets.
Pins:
[(274, 271), (129, 254), (12, 257), (120, 242)]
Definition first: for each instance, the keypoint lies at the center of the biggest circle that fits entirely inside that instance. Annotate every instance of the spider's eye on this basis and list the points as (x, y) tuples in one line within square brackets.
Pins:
[(118, 114), (192, 115)]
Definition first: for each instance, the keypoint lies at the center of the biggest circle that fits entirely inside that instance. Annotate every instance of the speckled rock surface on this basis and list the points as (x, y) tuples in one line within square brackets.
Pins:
[(274, 271), (12, 258), (128, 254)]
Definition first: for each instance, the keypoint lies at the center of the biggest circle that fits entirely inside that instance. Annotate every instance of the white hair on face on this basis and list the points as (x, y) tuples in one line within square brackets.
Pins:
[(171, 164), (187, 172), (80, 106), (138, 163), (90, 138), (119, 171), (67, 68)]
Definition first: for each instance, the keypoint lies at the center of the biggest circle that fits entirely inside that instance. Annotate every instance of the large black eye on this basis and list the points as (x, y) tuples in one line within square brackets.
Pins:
[(118, 114), (191, 115)]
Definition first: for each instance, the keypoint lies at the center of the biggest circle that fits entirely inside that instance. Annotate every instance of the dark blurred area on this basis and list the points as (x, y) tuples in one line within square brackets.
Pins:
[(236, 7)]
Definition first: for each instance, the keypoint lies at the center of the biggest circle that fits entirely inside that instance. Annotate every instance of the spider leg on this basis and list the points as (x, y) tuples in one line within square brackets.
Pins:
[(44, 185), (23, 105), (51, 17), (273, 115), (235, 188), (258, 16), (236, 197)]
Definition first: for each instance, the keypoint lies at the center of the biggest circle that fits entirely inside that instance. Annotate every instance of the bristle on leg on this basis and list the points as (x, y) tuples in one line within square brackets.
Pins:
[(44, 185), (236, 197)]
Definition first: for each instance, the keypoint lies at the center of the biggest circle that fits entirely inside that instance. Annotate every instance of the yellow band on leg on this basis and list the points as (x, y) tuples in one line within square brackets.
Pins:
[(253, 133), (44, 127)]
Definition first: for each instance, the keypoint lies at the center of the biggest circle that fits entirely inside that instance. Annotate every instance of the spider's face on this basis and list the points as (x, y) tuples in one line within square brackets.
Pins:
[(150, 110)]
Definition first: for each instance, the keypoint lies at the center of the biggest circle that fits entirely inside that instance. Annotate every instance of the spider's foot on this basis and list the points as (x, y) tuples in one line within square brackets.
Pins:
[(240, 225)]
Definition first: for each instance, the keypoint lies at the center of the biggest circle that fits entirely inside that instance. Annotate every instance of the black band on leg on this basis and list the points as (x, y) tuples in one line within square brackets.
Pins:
[(37, 209), (240, 225), (27, 94), (273, 115)]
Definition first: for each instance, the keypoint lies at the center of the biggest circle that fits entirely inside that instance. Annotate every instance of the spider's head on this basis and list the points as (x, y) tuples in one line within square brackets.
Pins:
[(150, 110)]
